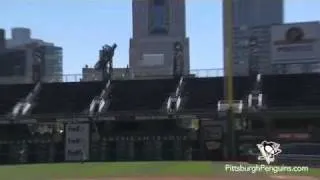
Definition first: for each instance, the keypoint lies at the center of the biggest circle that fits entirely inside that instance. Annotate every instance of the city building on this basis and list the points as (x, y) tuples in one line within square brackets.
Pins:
[(17, 58), (295, 48), (21, 36), (12, 63), (244, 57), (250, 18), (2, 40), (289, 48), (157, 26)]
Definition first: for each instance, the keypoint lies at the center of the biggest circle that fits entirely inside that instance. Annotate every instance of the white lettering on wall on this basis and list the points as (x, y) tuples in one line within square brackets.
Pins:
[(77, 142)]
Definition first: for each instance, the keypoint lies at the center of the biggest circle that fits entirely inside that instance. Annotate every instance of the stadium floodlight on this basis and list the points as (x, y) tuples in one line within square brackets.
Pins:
[(36, 67), (105, 62), (178, 59), (253, 55), (177, 46)]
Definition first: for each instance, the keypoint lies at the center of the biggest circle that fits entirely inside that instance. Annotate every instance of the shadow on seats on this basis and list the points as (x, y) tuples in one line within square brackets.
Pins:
[(66, 97), (241, 87), (289, 90), (203, 93), (140, 94), (11, 94)]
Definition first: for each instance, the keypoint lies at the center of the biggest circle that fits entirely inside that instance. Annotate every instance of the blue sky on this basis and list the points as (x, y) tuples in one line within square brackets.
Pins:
[(81, 27)]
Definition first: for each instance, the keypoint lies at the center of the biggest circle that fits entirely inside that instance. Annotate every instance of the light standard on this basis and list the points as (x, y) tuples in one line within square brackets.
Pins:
[(178, 64), (254, 66), (105, 63), (38, 57)]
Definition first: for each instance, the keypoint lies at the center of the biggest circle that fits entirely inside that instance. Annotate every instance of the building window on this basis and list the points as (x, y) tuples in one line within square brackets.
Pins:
[(13, 63), (159, 17)]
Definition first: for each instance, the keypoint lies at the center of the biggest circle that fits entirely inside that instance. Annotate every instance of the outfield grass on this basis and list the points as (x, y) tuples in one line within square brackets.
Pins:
[(96, 170), (92, 170)]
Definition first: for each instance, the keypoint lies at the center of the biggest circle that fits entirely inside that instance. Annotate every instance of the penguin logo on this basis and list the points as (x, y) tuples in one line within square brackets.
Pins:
[(268, 151)]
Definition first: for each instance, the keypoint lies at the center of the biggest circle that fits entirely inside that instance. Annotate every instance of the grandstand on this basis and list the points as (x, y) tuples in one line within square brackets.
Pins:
[(152, 119)]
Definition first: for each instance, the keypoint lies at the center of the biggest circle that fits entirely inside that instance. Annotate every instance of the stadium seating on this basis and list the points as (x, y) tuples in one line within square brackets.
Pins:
[(241, 87), (11, 94), (203, 93), (140, 94), (200, 93), (292, 90), (66, 97)]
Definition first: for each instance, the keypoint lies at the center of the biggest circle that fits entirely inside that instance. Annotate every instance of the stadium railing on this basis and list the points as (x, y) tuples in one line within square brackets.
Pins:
[(216, 72)]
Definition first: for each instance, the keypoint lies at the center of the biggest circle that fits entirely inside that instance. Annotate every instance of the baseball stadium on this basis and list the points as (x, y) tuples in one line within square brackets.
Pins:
[(178, 127), (175, 127)]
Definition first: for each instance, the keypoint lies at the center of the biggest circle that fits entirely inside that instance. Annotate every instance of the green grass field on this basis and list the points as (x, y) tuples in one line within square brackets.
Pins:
[(96, 170)]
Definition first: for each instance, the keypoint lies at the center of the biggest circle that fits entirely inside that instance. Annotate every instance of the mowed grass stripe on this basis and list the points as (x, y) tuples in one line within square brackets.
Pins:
[(92, 170), (97, 170)]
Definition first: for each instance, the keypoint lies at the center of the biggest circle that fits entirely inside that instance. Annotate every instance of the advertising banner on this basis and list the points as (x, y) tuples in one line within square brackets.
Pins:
[(77, 142), (295, 43)]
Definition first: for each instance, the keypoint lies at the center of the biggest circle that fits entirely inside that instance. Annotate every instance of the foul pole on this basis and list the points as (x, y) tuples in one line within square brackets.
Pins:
[(229, 50), (229, 75)]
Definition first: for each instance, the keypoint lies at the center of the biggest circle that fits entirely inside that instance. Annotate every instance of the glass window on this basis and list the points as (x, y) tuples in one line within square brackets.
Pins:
[(159, 21), (158, 2), (13, 63)]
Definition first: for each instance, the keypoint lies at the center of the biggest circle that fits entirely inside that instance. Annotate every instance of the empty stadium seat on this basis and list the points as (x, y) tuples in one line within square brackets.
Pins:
[(140, 94), (66, 97), (242, 85), (11, 94), (203, 93), (292, 90)]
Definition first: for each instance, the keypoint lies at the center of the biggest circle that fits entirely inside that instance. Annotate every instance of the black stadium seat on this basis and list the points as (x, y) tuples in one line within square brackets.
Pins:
[(140, 94), (66, 97), (11, 94), (132, 95), (241, 87), (292, 90), (203, 93), (283, 90)]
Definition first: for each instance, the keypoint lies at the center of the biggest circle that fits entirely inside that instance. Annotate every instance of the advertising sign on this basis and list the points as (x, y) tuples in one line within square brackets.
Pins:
[(295, 43), (77, 142)]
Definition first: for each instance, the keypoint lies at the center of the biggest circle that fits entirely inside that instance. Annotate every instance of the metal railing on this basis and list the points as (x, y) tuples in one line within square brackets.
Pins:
[(217, 72)]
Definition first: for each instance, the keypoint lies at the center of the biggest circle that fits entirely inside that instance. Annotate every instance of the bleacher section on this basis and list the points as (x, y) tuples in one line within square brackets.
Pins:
[(203, 93), (292, 90), (11, 94), (140, 94), (242, 86), (66, 97)]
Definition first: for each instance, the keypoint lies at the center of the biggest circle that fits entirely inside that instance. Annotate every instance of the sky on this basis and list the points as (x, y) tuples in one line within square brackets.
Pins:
[(81, 27)]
